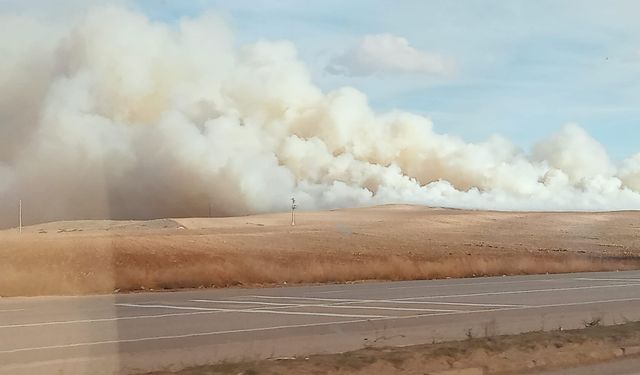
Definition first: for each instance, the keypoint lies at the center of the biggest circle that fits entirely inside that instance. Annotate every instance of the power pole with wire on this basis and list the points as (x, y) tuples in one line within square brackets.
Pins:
[(293, 211)]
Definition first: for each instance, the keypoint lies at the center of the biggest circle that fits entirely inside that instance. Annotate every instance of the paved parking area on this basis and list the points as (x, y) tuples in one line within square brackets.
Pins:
[(134, 332)]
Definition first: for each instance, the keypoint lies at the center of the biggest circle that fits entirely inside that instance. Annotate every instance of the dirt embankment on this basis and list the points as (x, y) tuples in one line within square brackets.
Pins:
[(379, 243), (502, 355)]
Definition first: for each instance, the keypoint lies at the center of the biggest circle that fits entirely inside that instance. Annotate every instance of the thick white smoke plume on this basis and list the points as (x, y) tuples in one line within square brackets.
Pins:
[(119, 117)]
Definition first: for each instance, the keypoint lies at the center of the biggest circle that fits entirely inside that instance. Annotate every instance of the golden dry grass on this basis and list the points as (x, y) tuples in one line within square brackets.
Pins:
[(380, 243)]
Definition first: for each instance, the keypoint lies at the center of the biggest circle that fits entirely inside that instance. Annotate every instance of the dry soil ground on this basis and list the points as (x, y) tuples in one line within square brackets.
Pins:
[(391, 242), (503, 355)]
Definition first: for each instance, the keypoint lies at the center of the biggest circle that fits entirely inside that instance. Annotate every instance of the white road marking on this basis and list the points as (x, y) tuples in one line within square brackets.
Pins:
[(455, 303), (172, 337), (403, 300), (360, 287), (204, 311), (473, 284), (579, 303), (306, 298), (397, 301), (61, 322), (521, 291), (257, 311), (170, 307), (334, 306), (525, 291), (345, 306), (215, 333), (242, 302), (271, 305), (594, 279), (11, 310)]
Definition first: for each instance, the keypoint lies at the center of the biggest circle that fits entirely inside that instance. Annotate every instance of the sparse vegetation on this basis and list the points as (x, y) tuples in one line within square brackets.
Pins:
[(384, 243), (595, 322), (104, 271), (505, 355)]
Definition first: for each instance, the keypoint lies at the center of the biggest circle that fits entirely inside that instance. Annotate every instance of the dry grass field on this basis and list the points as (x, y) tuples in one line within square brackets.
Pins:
[(391, 242)]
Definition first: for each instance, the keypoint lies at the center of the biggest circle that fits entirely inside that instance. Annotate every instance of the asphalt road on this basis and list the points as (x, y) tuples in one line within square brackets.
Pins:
[(150, 331)]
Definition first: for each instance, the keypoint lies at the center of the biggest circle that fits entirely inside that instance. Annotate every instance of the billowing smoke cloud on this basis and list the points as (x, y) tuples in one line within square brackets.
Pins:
[(119, 117)]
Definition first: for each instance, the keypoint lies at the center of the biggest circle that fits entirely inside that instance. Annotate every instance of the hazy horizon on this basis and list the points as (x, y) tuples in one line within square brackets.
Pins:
[(131, 110)]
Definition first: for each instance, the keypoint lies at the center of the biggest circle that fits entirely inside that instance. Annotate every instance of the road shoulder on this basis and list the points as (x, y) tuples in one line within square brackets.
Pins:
[(514, 354)]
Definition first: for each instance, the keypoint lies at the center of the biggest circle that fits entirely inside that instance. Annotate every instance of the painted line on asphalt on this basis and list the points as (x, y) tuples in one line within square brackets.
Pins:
[(360, 287), (323, 299), (396, 301), (203, 311), (262, 329), (474, 284), (306, 298), (11, 310), (189, 335), (256, 311), (285, 306), (526, 291), (169, 307), (243, 302), (595, 279), (456, 303), (98, 320)]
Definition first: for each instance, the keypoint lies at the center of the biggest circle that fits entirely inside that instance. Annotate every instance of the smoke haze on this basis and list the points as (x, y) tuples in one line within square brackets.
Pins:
[(116, 116)]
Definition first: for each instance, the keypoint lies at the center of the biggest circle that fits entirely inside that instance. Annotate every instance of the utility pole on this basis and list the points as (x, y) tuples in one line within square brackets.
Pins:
[(20, 216), (293, 212)]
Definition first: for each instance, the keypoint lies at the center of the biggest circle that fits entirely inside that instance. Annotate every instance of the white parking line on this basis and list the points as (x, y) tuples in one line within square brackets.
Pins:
[(11, 310), (242, 302), (399, 300), (578, 303), (79, 321), (360, 287), (474, 284), (594, 279), (403, 300), (256, 311), (335, 306), (456, 303), (306, 298), (170, 307), (262, 329), (201, 311), (171, 337), (271, 305), (524, 291)]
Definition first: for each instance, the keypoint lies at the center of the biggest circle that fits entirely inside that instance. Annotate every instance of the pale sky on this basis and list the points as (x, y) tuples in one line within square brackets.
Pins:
[(558, 82), (521, 69)]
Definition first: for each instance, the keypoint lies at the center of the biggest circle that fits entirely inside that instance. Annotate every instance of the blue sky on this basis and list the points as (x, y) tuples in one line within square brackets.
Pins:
[(522, 68)]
